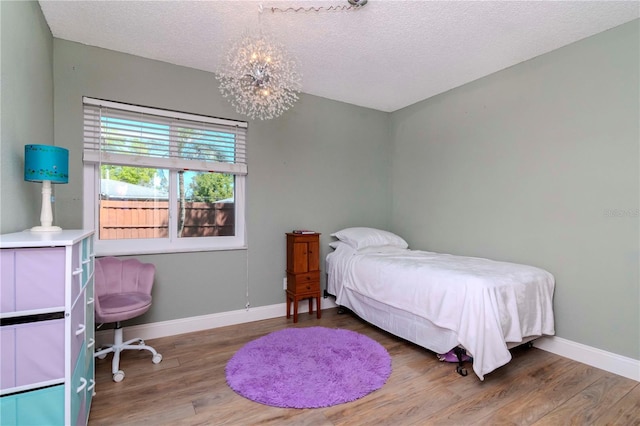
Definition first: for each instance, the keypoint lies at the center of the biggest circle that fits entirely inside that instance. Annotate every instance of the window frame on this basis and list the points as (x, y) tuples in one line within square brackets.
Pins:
[(173, 243)]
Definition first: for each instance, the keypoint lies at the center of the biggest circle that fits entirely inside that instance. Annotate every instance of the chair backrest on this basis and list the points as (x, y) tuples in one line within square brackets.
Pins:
[(124, 285), (113, 276)]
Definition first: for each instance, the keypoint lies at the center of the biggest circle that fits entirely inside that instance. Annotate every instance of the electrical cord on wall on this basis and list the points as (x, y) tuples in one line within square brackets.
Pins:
[(248, 304), (246, 238)]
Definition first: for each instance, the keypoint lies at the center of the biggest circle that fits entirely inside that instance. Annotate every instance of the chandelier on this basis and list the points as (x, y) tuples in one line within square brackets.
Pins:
[(259, 77)]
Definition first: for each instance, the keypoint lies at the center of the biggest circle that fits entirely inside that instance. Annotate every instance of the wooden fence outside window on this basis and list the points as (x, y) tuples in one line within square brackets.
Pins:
[(128, 219)]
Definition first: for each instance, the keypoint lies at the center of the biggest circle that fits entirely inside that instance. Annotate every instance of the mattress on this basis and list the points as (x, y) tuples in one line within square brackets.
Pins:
[(440, 301)]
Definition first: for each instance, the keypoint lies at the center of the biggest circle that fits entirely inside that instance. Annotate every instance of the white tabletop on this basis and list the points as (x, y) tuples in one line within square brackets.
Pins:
[(43, 239)]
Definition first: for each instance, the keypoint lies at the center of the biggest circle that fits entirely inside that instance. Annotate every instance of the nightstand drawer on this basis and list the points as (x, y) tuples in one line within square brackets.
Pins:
[(294, 280), (310, 286)]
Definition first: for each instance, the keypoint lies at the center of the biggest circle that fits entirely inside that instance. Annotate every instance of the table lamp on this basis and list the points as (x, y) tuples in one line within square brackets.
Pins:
[(47, 164)]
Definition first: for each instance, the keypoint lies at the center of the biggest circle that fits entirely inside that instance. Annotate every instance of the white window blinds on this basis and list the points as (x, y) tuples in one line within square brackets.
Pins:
[(130, 135)]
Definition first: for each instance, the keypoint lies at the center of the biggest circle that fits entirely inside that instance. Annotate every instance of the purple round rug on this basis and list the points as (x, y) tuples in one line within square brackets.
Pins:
[(308, 367)]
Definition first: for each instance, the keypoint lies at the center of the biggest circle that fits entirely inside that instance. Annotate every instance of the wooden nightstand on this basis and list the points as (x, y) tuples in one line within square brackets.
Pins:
[(303, 272)]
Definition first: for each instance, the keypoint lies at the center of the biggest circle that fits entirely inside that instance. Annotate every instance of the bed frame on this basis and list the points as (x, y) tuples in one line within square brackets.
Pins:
[(410, 327)]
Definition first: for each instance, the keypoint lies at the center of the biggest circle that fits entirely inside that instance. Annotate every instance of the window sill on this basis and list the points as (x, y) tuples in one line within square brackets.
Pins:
[(101, 251)]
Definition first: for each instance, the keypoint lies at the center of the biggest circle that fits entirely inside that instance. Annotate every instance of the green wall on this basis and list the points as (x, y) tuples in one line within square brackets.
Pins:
[(27, 108), (323, 165), (537, 164)]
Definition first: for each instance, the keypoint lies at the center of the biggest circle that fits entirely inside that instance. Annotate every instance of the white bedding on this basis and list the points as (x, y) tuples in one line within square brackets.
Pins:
[(485, 303)]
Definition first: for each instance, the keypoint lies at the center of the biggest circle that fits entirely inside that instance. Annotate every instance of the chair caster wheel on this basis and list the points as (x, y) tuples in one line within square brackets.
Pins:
[(156, 359), (103, 356), (119, 376)]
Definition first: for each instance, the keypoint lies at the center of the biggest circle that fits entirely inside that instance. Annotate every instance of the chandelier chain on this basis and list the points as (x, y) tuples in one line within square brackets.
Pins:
[(315, 8)]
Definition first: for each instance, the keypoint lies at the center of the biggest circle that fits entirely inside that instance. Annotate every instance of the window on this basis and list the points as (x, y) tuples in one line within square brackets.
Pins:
[(162, 181)]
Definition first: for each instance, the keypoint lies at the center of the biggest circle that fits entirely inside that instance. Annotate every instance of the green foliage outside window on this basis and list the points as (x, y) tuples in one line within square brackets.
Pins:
[(128, 174), (211, 187)]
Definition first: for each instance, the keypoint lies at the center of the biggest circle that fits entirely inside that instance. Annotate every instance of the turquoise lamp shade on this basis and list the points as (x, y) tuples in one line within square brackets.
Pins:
[(46, 162)]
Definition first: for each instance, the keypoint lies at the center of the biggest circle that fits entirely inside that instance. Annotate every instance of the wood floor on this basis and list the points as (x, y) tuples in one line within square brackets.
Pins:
[(188, 387)]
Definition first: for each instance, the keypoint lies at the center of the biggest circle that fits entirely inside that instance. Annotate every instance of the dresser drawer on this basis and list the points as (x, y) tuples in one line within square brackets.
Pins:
[(79, 384), (76, 272), (78, 328), (39, 407), (32, 279), (32, 353)]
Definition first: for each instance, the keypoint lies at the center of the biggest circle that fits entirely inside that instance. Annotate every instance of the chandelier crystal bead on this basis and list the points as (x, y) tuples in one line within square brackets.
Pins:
[(259, 78)]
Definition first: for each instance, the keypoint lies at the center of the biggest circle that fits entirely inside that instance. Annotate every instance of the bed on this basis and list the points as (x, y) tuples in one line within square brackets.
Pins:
[(440, 301)]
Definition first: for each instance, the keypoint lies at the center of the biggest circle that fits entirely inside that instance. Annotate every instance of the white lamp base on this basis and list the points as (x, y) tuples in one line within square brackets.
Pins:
[(46, 214), (46, 229)]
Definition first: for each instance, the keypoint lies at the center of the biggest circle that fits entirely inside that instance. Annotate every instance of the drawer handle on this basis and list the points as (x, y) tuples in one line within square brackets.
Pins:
[(77, 271), (83, 385), (92, 385), (308, 287), (80, 329), (91, 343), (90, 301)]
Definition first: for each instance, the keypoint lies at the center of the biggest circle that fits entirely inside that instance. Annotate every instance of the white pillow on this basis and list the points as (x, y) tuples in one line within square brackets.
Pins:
[(382, 249), (359, 238)]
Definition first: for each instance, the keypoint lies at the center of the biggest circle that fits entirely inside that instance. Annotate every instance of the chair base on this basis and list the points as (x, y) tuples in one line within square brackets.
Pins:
[(118, 346)]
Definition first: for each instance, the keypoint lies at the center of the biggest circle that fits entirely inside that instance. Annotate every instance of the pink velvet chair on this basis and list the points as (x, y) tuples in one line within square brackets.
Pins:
[(123, 291)]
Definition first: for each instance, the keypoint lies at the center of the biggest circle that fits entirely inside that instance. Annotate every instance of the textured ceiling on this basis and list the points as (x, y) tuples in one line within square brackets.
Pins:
[(386, 55)]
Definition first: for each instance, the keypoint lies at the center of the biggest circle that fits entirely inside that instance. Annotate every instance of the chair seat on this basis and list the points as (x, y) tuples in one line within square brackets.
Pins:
[(122, 306)]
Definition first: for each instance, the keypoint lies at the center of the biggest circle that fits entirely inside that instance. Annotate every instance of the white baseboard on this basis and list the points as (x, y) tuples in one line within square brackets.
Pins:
[(204, 322), (608, 361)]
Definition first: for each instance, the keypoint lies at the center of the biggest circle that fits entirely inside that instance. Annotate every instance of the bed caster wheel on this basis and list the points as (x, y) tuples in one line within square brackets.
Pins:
[(156, 359), (461, 371), (119, 376)]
